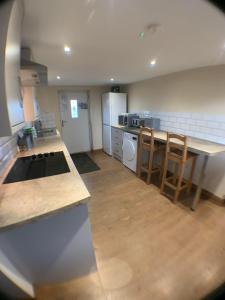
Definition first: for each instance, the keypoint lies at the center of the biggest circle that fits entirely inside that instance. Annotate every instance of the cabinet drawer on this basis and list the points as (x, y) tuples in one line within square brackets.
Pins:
[(117, 140), (117, 133), (117, 147), (117, 156)]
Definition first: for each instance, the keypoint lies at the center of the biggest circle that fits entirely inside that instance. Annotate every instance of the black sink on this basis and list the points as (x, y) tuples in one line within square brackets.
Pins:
[(37, 166)]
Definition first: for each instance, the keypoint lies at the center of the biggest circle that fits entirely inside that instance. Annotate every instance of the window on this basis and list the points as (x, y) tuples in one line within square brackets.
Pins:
[(74, 109)]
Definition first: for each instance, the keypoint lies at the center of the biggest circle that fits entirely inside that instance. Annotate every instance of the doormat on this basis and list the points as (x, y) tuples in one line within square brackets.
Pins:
[(84, 163)]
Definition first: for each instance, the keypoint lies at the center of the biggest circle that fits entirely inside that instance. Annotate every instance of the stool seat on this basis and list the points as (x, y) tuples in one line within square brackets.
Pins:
[(156, 147), (148, 144), (177, 155)]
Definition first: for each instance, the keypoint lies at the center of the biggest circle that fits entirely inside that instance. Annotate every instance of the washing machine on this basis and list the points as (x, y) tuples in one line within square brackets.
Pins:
[(130, 148)]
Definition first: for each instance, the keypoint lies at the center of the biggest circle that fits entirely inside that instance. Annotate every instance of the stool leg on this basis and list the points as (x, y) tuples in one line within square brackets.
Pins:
[(180, 178), (139, 161), (150, 167), (162, 165), (164, 175), (192, 174), (175, 173)]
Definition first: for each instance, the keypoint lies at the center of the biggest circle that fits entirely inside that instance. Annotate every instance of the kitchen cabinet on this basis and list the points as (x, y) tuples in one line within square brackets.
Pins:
[(117, 143), (30, 104), (11, 103)]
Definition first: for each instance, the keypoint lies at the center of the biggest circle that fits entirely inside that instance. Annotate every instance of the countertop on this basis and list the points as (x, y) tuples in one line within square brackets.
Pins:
[(195, 145), (26, 201)]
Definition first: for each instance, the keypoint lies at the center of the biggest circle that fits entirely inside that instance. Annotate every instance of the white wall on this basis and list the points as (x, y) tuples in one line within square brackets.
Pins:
[(195, 91), (49, 102), (199, 90)]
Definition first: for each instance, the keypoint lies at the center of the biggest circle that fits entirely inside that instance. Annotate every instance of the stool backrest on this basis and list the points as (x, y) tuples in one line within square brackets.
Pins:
[(147, 137), (177, 144)]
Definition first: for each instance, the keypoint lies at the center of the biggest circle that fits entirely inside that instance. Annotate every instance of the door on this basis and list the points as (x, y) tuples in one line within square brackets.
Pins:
[(118, 106), (106, 109), (107, 139), (75, 121)]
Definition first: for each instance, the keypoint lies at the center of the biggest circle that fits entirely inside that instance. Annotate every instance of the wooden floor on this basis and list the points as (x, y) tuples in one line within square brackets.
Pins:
[(146, 247)]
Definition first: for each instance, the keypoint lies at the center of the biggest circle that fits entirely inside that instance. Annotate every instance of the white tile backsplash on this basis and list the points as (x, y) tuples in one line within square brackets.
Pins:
[(8, 149), (204, 126)]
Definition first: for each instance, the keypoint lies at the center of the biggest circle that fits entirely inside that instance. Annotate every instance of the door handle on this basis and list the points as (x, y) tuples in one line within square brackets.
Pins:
[(63, 123)]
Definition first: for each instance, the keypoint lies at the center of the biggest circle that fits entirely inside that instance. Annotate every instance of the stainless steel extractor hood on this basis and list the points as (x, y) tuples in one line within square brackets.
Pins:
[(32, 73)]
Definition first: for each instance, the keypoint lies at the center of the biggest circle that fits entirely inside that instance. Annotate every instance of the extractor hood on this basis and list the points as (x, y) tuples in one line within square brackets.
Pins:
[(32, 73)]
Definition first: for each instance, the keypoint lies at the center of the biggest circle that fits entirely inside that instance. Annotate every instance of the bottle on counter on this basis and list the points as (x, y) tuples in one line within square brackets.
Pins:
[(25, 139)]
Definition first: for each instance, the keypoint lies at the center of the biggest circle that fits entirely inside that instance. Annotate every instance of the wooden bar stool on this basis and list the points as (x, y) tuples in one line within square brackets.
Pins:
[(176, 152), (148, 143)]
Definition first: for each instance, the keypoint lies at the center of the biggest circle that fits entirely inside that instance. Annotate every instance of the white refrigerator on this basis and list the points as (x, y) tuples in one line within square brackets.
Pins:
[(113, 104)]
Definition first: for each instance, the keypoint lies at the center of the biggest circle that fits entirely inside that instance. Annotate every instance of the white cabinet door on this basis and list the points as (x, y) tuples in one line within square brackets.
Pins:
[(30, 104), (37, 110), (12, 67), (11, 113)]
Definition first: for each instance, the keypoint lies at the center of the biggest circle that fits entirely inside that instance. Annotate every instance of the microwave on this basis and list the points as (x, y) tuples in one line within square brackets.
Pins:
[(126, 119)]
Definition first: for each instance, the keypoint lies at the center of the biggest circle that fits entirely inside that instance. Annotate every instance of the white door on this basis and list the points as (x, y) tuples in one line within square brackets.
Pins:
[(75, 121), (107, 139), (106, 111), (118, 102)]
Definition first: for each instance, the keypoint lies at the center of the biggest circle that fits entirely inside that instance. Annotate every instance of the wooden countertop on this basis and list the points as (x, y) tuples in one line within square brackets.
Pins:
[(195, 145), (26, 201)]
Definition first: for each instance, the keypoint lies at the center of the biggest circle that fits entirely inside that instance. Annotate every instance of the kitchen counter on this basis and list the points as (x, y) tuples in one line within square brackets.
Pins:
[(26, 201), (195, 145)]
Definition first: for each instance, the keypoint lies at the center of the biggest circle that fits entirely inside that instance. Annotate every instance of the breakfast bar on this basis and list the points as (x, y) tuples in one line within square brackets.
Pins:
[(198, 146)]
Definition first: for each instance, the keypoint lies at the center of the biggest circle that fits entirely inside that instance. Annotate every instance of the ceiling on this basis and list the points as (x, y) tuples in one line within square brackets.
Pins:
[(105, 42)]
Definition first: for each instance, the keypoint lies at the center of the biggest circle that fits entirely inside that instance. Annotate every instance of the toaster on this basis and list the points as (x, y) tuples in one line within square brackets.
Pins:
[(138, 122), (146, 122), (126, 119)]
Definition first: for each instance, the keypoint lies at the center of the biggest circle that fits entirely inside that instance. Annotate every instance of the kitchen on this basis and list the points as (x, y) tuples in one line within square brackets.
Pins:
[(86, 208)]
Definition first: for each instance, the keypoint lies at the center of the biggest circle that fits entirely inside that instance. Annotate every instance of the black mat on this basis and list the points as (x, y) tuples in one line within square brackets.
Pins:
[(84, 163)]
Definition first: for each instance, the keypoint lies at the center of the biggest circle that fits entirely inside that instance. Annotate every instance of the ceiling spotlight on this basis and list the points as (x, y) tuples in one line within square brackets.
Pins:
[(153, 62), (111, 79), (67, 49), (58, 77)]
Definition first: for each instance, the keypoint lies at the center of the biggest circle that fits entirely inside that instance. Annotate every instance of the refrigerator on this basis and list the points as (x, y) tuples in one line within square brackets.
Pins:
[(113, 104)]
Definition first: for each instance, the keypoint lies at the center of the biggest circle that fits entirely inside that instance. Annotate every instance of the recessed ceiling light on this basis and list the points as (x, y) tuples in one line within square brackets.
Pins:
[(58, 77), (153, 62), (112, 79), (67, 49)]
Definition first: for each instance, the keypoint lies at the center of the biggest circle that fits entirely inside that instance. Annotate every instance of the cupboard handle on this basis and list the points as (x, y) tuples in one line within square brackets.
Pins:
[(20, 96)]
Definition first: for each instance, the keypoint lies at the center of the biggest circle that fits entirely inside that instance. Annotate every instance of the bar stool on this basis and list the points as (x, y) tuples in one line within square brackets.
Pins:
[(176, 152), (148, 143)]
